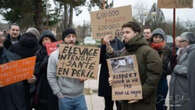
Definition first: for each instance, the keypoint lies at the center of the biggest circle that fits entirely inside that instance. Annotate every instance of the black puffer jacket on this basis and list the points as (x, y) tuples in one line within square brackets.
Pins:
[(104, 87), (26, 47), (12, 96)]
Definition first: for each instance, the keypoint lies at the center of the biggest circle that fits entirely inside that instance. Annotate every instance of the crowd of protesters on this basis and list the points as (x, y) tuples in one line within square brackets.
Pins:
[(46, 91)]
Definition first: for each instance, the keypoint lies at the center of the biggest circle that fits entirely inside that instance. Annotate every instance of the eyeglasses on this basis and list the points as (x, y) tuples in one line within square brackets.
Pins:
[(183, 41)]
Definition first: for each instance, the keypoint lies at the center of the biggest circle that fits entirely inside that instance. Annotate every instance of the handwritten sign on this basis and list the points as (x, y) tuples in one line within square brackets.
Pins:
[(78, 61), (16, 71), (52, 46), (126, 83), (175, 3), (109, 21)]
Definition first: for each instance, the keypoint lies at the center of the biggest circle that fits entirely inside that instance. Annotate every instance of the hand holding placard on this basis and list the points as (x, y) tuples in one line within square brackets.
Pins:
[(32, 80)]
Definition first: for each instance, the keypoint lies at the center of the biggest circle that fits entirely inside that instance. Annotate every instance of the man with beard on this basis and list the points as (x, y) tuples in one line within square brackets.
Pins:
[(149, 64), (68, 90)]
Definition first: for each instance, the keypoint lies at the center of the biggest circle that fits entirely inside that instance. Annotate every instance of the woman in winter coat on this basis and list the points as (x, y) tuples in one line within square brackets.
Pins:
[(179, 88), (12, 97), (158, 43), (27, 47), (46, 99)]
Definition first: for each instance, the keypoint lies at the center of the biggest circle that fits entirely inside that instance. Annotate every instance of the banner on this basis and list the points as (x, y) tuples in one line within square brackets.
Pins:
[(126, 84), (109, 21), (78, 61), (175, 3), (17, 71), (52, 46)]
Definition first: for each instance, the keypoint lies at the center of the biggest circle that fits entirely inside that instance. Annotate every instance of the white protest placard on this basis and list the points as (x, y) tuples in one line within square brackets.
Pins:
[(126, 84), (78, 61), (109, 21)]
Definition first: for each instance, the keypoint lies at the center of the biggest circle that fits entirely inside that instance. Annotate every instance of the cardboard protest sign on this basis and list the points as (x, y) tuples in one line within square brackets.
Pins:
[(175, 3), (52, 46), (17, 71), (78, 61), (109, 21), (126, 84)]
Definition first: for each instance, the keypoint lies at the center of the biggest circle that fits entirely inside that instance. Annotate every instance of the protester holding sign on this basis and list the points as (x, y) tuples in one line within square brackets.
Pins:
[(45, 98), (11, 96), (27, 47), (158, 43), (68, 90), (149, 64)]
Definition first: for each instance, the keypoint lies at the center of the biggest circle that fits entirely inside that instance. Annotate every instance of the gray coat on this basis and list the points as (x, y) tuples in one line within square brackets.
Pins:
[(191, 73), (179, 96)]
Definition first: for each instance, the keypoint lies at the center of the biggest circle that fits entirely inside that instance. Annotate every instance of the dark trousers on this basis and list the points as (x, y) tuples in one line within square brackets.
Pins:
[(109, 103), (161, 94)]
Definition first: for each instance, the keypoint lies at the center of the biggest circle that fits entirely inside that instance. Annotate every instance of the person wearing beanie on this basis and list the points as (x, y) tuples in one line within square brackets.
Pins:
[(45, 98), (68, 90), (158, 43), (34, 31), (67, 32), (181, 83)]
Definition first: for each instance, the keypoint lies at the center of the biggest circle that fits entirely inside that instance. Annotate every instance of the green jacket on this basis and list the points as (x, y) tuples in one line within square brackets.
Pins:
[(150, 69)]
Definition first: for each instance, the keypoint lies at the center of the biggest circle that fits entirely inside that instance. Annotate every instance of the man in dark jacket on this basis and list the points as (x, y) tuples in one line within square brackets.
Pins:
[(104, 87), (147, 33), (149, 64), (11, 96), (13, 36)]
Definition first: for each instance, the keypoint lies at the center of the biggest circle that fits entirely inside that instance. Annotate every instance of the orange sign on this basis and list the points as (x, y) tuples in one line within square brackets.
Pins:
[(16, 71), (52, 46)]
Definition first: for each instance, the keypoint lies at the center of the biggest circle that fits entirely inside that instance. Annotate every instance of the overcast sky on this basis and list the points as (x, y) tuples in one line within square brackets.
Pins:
[(182, 14)]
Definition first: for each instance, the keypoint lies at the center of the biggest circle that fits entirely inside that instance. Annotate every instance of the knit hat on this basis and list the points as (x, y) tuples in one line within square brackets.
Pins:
[(188, 36), (34, 31), (67, 32), (160, 32), (47, 33)]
